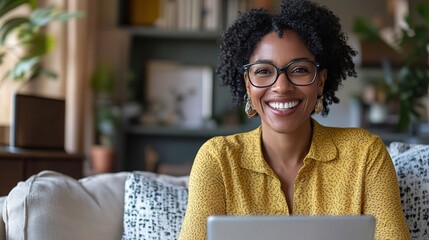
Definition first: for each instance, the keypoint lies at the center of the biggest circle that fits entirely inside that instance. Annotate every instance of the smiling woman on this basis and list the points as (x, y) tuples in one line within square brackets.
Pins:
[(287, 67)]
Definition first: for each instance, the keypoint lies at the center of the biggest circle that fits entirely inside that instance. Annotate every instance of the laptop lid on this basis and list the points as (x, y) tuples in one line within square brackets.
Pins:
[(291, 227)]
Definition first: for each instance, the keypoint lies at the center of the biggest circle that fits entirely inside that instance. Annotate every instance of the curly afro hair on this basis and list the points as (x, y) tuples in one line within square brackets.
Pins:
[(319, 29)]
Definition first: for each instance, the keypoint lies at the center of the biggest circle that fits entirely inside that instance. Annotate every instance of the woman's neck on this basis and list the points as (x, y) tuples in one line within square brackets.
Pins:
[(287, 149)]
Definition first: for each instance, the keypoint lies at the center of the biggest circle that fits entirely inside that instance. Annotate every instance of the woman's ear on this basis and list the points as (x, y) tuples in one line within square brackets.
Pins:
[(323, 75), (247, 82)]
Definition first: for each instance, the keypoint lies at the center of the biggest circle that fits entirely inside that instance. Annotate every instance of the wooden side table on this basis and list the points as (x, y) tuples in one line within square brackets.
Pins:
[(19, 164)]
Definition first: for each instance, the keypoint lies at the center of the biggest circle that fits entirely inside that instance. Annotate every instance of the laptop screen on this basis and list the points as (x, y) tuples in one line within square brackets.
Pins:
[(291, 227)]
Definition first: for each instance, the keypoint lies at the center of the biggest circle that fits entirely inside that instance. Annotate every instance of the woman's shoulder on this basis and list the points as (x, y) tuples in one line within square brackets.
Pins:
[(351, 135), (351, 144), (228, 150), (233, 145), (236, 139), (355, 132)]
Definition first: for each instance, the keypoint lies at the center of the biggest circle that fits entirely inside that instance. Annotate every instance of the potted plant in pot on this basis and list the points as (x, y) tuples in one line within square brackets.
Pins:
[(409, 83), (106, 120)]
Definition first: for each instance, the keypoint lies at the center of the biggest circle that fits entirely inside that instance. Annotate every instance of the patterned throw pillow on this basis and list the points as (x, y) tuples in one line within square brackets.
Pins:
[(154, 208), (412, 166)]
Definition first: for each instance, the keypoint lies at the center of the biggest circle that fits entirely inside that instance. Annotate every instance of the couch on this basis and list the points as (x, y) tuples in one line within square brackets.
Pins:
[(50, 205)]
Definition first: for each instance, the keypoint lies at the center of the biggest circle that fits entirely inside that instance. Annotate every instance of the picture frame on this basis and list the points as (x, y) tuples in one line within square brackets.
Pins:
[(179, 94)]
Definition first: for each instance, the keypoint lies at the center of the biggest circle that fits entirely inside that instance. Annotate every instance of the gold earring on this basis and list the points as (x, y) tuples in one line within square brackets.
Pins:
[(319, 105), (249, 109)]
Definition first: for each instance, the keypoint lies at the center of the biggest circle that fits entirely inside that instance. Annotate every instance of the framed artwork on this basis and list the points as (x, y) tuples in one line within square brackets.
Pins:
[(179, 94)]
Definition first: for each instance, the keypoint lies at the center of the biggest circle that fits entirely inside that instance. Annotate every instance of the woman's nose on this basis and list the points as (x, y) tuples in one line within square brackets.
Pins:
[(282, 84)]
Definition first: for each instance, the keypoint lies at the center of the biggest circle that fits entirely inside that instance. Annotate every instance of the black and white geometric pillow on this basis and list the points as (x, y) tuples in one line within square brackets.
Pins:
[(412, 166), (153, 209)]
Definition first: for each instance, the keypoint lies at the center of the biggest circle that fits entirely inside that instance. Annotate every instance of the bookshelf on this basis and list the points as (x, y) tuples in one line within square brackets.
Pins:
[(173, 145), (196, 44)]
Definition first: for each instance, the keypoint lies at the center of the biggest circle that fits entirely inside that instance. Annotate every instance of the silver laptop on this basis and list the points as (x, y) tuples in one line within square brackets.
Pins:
[(291, 227)]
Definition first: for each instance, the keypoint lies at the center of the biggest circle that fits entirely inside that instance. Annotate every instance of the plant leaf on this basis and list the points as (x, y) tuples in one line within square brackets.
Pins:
[(40, 45), (48, 73), (8, 5), (35, 72), (103, 79), (32, 38), (65, 16), (423, 10), (24, 67), (365, 29), (2, 55), (9, 26), (42, 16)]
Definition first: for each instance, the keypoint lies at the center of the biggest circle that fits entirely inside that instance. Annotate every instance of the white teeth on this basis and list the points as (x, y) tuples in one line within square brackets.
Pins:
[(283, 106)]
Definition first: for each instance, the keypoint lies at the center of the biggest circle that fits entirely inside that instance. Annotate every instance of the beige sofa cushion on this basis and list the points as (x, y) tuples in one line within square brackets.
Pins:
[(52, 206)]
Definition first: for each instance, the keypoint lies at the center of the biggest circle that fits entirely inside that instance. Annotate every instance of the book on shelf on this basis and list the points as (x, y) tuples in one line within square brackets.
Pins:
[(212, 14), (234, 8), (196, 14), (144, 12), (168, 16), (179, 94)]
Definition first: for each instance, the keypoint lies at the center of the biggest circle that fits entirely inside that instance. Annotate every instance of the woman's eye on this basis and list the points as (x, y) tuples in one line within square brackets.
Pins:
[(263, 71), (299, 70)]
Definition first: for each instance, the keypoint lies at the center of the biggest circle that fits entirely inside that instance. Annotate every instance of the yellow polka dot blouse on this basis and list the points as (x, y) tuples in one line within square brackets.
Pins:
[(346, 171)]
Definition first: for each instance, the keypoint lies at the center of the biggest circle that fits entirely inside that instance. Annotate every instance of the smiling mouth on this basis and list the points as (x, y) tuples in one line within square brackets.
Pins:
[(283, 105)]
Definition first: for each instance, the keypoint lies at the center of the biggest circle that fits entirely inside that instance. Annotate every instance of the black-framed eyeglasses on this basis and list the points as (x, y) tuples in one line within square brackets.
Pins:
[(300, 72)]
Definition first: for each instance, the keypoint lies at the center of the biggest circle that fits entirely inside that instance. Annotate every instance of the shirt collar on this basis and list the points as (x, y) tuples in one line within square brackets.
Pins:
[(322, 149), (322, 145), (252, 157)]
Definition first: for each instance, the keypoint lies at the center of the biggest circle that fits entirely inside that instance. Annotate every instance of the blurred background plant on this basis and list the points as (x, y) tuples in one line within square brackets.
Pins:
[(106, 113), (106, 119), (25, 39), (408, 84)]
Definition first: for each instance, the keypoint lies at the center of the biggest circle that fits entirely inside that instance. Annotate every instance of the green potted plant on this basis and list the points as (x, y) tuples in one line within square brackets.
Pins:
[(32, 42), (409, 83), (106, 119)]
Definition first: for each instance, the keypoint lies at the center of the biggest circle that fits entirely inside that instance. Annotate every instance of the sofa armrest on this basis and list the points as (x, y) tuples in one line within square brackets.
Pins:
[(50, 205), (2, 227)]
